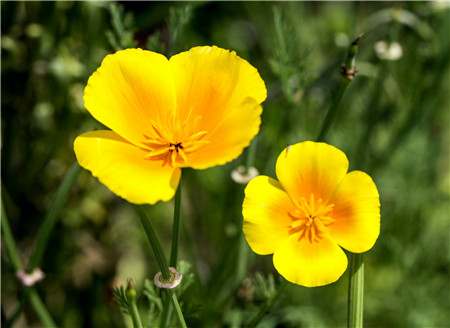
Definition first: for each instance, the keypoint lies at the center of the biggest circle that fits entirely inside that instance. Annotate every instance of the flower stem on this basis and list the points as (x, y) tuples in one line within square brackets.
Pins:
[(154, 242), (52, 215), (162, 263), (356, 291), (167, 312), (176, 228), (348, 70), (177, 308)]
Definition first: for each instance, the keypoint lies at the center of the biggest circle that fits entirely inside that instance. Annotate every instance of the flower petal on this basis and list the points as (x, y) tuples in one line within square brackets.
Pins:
[(215, 84), (265, 212), (310, 264), (130, 89), (357, 213), (121, 167), (230, 137), (209, 79), (311, 168)]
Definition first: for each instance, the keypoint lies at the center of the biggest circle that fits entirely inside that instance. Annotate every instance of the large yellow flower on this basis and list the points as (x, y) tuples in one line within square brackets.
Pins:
[(199, 109), (314, 209)]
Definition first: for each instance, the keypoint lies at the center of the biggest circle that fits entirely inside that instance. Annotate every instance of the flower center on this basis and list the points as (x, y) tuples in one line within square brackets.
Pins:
[(173, 143), (310, 219)]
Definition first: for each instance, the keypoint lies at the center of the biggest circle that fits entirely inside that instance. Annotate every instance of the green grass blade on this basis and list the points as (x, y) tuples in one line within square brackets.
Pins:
[(53, 214)]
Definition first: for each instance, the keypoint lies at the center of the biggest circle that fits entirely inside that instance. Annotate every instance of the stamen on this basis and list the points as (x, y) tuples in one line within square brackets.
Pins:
[(157, 131), (197, 136), (174, 158), (154, 153), (310, 219), (173, 143), (182, 154)]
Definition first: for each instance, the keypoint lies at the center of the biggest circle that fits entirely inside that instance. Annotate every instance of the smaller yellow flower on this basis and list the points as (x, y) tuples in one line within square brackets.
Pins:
[(314, 209)]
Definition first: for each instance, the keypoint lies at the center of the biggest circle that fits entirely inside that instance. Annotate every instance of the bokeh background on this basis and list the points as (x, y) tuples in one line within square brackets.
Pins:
[(393, 123)]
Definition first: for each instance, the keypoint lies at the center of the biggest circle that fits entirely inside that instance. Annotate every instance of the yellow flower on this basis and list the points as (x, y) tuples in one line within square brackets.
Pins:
[(199, 109), (314, 209)]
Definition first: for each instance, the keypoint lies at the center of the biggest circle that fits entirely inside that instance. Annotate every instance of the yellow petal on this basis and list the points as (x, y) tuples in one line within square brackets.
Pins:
[(121, 167), (311, 168), (265, 212), (357, 213), (214, 84), (129, 90), (310, 264), (230, 137)]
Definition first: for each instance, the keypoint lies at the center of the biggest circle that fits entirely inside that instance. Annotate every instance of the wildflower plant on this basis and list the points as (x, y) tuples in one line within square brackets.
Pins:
[(198, 109)]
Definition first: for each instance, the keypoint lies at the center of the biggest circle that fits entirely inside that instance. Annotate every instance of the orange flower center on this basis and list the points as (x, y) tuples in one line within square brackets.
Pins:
[(173, 143), (310, 219)]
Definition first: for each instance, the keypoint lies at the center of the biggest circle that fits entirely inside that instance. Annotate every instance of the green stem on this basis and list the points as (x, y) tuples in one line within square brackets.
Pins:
[(154, 242), (8, 239), (167, 312), (242, 259), (333, 109), (243, 250), (132, 306), (177, 308), (251, 154), (162, 263), (350, 59), (40, 309), (176, 227), (356, 291), (135, 317), (52, 215), (348, 70)]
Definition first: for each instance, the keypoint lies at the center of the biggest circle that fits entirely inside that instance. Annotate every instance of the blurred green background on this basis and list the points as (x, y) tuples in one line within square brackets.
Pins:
[(393, 123)]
